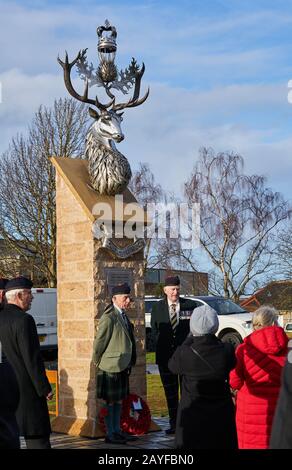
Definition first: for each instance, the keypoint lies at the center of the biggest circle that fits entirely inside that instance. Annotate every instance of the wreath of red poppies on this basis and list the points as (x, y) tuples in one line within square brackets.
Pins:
[(132, 421)]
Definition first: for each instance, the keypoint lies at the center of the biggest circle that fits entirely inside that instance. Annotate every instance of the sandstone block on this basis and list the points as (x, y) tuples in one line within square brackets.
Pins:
[(84, 349), (77, 329), (73, 291), (66, 348)]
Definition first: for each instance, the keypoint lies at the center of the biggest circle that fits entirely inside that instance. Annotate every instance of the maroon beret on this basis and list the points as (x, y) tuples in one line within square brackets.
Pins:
[(172, 281)]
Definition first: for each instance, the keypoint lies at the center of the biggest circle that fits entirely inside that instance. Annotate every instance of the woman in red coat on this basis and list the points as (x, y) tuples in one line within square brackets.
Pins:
[(257, 377)]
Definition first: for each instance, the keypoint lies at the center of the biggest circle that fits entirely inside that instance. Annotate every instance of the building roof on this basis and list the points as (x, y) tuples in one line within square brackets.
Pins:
[(276, 293)]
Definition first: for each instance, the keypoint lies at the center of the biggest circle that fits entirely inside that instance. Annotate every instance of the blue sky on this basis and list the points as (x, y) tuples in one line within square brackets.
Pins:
[(218, 73)]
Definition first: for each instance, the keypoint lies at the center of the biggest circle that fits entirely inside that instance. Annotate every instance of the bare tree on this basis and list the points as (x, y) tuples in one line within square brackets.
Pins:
[(144, 187), (159, 252), (147, 190), (283, 252), (27, 184), (238, 217), (166, 252)]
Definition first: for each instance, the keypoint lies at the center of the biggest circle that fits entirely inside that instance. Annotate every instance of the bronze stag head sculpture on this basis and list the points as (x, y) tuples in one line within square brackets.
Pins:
[(109, 170)]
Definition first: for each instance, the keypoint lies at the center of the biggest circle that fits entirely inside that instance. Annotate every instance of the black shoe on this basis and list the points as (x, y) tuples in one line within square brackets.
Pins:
[(170, 431), (126, 436), (115, 439)]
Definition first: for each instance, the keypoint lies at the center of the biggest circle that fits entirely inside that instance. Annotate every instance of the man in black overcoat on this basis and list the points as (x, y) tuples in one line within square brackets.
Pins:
[(9, 395), (170, 320), (20, 344)]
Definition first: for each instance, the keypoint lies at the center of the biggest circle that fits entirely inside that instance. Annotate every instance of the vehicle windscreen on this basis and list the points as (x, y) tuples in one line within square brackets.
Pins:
[(148, 306), (225, 306)]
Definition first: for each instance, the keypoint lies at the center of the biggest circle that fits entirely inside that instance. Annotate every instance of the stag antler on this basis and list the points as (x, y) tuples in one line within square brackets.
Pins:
[(67, 66), (134, 101)]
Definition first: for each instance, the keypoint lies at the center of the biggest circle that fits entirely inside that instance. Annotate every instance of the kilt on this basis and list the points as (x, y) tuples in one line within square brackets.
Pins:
[(112, 387)]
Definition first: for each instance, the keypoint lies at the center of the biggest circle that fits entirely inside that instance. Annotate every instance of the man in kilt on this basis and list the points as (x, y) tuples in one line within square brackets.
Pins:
[(114, 353)]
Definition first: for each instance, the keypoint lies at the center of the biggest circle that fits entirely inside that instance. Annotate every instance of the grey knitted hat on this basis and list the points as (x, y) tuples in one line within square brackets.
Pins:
[(204, 321)]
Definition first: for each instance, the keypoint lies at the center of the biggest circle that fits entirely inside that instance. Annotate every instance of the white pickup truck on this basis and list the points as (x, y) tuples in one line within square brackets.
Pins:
[(44, 311)]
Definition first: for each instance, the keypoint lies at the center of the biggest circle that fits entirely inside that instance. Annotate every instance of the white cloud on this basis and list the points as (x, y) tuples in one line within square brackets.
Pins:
[(235, 22), (21, 96), (177, 119), (168, 130), (165, 36)]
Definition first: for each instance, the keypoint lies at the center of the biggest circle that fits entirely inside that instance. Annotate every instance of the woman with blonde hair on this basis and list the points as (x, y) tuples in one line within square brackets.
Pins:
[(257, 378)]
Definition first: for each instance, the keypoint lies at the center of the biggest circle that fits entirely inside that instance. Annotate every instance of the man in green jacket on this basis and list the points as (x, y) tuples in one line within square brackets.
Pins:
[(114, 353)]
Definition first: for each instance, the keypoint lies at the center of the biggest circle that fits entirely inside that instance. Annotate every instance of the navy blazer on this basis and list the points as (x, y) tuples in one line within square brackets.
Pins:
[(161, 330)]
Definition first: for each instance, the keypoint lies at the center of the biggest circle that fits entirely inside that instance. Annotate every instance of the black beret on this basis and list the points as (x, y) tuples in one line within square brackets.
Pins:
[(3, 283), (19, 283), (172, 281), (121, 289)]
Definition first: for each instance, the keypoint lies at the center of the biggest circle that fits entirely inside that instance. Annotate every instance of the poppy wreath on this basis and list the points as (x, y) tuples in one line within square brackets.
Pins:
[(132, 423), (140, 422)]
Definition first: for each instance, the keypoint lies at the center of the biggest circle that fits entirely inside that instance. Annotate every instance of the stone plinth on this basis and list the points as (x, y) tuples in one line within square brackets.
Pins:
[(83, 268)]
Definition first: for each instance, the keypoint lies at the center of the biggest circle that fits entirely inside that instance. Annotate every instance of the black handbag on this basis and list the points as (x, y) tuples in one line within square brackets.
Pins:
[(204, 360)]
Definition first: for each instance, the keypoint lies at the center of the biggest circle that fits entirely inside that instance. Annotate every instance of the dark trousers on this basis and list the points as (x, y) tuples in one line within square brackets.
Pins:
[(12, 443), (39, 442), (170, 384)]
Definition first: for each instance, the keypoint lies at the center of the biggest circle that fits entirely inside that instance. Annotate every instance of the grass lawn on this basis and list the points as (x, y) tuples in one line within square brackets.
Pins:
[(150, 358), (52, 403), (155, 396), (155, 393)]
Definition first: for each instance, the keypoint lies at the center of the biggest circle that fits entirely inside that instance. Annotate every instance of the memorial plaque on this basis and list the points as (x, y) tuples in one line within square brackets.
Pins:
[(116, 276)]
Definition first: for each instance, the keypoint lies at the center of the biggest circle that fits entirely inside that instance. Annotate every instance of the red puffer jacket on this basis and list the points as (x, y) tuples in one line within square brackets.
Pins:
[(257, 377)]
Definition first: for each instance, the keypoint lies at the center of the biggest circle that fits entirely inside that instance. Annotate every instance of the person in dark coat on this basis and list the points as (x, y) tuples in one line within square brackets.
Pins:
[(9, 395), (206, 415), (114, 354), (18, 335), (170, 320), (281, 436), (3, 283)]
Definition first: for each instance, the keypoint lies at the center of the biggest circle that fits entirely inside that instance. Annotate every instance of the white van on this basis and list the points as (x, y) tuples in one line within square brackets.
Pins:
[(44, 311)]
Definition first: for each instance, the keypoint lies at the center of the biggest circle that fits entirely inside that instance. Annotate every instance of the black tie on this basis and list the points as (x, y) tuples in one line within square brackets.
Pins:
[(125, 319)]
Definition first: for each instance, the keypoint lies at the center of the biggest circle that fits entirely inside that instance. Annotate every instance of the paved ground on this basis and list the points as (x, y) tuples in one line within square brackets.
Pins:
[(152, 369), (152, 440)]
